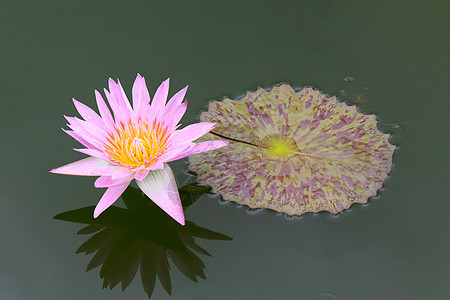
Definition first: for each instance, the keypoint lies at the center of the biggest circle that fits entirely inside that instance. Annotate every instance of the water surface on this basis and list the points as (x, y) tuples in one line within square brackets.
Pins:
[(395, 247)]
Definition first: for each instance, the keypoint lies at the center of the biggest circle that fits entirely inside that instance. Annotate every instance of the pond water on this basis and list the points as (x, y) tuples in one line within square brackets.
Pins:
[(390, 57)]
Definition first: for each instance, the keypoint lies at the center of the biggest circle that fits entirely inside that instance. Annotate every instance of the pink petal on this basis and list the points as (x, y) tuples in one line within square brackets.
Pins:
[(120, 172), (107, 170), (177, 152), (107, 181), (175, 101), (196, 148), (191, 133), (140, 175), (109, 197), (90, 132), (172, 119), (79, 139), (119, 115), (104, 110), (148, 114), (160, 186), (141, 97), (94, 153), (208, 146), (157, 166), (84, 167), (88, 114), (160, 97), (115, 173), (122, 99)]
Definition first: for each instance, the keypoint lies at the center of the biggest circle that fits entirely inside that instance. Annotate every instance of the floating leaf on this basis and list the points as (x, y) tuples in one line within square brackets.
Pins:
[(293, 152)]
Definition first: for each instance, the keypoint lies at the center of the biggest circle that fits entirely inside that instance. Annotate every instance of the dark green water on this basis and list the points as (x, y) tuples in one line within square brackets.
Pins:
[(395, 247)]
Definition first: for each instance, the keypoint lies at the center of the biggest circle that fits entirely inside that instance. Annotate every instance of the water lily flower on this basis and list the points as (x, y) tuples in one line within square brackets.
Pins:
[(135, 143)]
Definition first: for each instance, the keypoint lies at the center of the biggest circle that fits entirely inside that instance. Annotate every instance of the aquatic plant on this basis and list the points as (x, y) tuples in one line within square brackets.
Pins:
[(293, 152), (135, 144)]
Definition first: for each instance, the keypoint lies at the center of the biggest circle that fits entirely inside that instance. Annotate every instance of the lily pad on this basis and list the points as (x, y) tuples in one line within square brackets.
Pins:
[(293, 152)]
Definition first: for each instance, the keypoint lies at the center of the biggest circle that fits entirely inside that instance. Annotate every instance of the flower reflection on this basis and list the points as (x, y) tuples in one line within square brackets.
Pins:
[(142, 236)]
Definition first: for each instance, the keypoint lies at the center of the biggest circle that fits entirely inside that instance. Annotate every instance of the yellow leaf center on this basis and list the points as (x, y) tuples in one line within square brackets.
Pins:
[(137, 144), (278, 147)]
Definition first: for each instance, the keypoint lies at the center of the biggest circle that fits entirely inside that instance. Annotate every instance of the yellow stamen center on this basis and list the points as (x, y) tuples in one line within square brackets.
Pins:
[(137, 144)]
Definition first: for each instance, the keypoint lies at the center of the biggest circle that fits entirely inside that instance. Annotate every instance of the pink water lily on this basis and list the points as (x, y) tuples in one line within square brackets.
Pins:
[(135, 143)]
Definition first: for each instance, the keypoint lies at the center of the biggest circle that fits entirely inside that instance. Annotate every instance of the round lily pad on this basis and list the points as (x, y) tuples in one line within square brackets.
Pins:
[(293, 152)]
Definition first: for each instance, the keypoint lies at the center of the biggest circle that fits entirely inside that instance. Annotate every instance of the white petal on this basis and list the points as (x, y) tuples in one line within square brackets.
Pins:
[(160, 186)]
